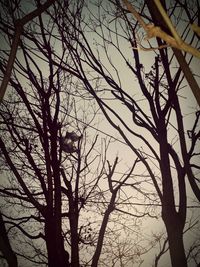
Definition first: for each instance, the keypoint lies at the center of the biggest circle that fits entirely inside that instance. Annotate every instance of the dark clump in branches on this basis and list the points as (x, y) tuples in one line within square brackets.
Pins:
[(69, 142)]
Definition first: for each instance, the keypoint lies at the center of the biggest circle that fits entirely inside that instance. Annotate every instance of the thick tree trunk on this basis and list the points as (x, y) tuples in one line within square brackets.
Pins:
[(57, 256), (174, 229), (5, 246), (174, 220)]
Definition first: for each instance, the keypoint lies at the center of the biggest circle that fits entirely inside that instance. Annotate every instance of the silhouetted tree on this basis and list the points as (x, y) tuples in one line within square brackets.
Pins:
[(158, 122), (61, 187), (71, 54)]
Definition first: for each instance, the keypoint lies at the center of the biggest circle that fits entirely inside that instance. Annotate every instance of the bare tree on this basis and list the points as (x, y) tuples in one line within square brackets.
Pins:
[(62, 188), (158, 123), (77, 52)]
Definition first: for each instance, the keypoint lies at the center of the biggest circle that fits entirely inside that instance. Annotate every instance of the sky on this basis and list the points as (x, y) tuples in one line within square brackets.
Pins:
[(118, 148)]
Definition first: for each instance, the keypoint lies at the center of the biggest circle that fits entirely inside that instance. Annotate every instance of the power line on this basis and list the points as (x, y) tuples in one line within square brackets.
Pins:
[(94, 128), (111, 136)]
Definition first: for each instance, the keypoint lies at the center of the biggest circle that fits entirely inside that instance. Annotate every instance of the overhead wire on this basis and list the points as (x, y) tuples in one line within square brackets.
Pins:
[(109, 135)]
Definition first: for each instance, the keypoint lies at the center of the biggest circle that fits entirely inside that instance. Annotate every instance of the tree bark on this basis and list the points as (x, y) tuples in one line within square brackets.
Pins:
[(5, 246), (74, 240), (57, 256), (174, 227), (174, 220)]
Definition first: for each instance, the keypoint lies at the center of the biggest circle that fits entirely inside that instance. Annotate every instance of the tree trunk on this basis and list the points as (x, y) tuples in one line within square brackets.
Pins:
[(174, 228), (73, 220), (74, 241), (57, 256), (5, 246), (174, 221)]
